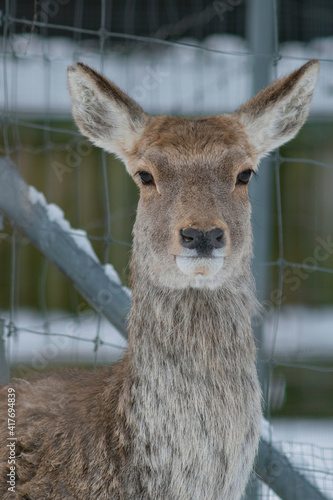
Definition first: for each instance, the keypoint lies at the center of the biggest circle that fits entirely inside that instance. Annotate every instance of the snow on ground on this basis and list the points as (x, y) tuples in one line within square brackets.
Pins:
[(302, 334), (59, 337), (167, 79)]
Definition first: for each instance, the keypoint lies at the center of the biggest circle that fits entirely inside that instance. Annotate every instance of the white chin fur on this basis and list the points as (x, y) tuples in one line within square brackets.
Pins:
[(199, 266)]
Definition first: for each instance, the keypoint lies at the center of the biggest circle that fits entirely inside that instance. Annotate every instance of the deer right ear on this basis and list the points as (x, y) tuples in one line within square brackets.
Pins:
[(275, 115), (104, 113)]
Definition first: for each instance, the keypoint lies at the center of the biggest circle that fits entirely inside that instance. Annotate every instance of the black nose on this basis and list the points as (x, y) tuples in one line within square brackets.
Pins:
[(203, 242)]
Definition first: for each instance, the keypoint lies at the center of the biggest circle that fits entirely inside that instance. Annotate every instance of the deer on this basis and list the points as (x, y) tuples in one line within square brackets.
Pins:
[(178, 417)]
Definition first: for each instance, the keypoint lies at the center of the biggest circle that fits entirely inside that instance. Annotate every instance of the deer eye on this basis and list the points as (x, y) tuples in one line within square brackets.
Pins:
[(146, 178), (244, 177)]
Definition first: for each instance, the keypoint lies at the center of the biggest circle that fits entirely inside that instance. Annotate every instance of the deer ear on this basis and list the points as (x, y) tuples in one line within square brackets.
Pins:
[(275, 115), (104, 113)]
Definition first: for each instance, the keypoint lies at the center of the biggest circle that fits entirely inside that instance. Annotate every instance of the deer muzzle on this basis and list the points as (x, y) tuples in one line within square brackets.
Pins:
[(203, 251)]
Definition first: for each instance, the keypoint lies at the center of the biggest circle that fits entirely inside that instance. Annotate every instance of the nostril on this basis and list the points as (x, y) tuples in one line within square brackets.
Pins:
[(216, 236), (186, 235), (189, 236)]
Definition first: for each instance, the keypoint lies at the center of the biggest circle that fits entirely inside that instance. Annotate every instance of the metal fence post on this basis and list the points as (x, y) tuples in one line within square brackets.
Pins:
[(4, 370), (260, 26), (283, 477)]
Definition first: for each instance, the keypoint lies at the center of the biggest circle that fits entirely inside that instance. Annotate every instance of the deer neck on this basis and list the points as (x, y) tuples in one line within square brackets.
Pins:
[(190, 369), (193, 326)]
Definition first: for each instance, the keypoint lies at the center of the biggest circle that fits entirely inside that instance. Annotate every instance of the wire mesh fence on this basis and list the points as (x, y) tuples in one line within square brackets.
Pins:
[(313, 461), (182, 62)]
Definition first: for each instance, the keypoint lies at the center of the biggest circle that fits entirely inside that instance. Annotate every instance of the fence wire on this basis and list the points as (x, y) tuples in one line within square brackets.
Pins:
[(37, 141)]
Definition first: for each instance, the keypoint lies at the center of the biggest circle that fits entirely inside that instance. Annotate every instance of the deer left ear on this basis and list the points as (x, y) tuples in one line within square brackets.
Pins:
[(275, 115)]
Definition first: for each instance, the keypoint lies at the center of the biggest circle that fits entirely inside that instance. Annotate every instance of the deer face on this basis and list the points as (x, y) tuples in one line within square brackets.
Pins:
[(193, 221)]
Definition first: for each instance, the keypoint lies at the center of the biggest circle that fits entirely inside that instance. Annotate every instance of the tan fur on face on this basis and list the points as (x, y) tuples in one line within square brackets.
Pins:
[(195, 163)]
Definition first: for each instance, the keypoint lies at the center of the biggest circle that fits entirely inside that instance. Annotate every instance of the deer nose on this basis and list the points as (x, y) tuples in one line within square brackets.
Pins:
[(203, 242)]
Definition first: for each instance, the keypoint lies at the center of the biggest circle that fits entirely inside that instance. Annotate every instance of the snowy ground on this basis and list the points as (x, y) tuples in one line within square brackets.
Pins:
[(70, 339), (179, 78), (301, 334)]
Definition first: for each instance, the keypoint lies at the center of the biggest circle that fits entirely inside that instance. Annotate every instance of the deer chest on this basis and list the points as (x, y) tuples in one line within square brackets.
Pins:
[(195, 436)]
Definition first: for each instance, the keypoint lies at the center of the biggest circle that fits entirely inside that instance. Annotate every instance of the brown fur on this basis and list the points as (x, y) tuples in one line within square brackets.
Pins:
[(178, 417)]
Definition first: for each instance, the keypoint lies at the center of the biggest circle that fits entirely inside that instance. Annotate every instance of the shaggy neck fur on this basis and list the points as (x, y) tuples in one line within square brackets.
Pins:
[(193, 363), (183, 320)]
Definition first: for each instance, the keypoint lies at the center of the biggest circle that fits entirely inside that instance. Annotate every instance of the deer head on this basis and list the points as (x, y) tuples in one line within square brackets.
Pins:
[(193, 220)]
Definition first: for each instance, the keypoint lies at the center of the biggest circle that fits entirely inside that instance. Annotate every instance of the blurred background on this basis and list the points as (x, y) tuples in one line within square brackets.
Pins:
[(195, 58)]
